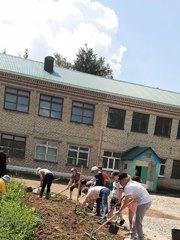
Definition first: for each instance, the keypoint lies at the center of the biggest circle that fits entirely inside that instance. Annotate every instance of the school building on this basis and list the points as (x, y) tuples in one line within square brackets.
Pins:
[(59, 118)]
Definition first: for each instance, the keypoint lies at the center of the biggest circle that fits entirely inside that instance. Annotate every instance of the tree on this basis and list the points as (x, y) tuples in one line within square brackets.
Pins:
[(88, 62), (62, 61), (26, 53), (4, 51)]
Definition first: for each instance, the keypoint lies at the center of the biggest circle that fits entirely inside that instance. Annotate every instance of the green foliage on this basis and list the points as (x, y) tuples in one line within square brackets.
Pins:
[(17, 221), (86, 61), (61, 61)]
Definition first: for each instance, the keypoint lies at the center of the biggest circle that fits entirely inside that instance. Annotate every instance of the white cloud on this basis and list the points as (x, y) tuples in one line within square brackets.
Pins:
[(48, 26)]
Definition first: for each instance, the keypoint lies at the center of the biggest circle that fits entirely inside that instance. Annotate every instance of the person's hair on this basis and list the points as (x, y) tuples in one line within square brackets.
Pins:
[(137, 179), (100, 168), (84, 190), (122, 176)]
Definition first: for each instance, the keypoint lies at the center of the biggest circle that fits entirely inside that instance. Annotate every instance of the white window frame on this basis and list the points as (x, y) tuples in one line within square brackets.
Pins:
[(114, 160), (47, 145), (78, 150)]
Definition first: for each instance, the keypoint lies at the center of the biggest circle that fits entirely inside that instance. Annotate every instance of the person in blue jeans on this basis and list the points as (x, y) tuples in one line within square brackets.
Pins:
[(94, 193)]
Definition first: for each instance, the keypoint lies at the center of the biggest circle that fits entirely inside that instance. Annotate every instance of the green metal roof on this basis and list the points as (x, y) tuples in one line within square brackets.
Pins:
[(34, 69), (132, 153)]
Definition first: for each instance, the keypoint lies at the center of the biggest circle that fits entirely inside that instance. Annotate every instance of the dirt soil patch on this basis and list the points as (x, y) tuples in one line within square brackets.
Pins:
[(61, 221)]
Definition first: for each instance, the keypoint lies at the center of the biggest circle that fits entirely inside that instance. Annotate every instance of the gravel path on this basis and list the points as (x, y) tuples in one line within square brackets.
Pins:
[(166, 213)]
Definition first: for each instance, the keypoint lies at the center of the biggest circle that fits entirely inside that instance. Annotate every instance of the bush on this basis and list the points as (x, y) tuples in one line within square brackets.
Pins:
[(17, 221)]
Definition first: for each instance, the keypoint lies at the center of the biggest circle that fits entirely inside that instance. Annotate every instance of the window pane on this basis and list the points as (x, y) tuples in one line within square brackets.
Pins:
[(111, 162), (87, 120), (176, 169), (11, 98), (55, 115), (108, 154), (72, 154), (40, 152), (23, 93), (162, 169), (117, 164), (105, 161), (11, 106), (77, 111), (11, 90), (87, 113), (82, 162), (44, 112), (71, 161), (23, 100), (56, 107), (83, 155), (77, 104), (45, 105), (76, 118), (47, 98), (22, 108)]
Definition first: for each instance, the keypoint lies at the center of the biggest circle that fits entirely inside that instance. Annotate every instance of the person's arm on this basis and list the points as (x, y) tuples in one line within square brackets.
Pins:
[(120, 195), (87, 199), (126, 202), (70, 183), (41, 178)]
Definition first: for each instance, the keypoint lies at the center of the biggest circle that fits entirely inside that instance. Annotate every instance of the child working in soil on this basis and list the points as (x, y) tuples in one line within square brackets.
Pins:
[(117, 193)]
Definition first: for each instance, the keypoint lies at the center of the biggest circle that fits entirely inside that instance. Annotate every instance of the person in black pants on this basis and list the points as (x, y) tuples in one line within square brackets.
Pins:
[(98, 181), (46, 178)]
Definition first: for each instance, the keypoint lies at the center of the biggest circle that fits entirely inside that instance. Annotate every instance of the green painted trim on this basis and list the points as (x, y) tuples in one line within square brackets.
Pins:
[(133, 167), (156, 177)]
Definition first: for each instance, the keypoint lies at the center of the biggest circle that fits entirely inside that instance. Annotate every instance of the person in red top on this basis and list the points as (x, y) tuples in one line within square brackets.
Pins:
[(105, 176)]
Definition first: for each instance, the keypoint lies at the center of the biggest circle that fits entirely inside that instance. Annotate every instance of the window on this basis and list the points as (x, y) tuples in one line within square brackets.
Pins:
[(111, 160), (78, 156), (162, 167), (176, 169), (46, 151), (15, 145), (178, 132), (116, 118), (16, 100), (140, 122), (50, 107), (82, 113), (163, 127)]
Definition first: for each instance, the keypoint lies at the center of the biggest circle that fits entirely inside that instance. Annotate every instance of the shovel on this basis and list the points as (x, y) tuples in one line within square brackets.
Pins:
[(108, 220)]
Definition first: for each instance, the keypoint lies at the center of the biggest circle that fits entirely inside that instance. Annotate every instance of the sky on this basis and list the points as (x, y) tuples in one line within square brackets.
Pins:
[(140, 39)]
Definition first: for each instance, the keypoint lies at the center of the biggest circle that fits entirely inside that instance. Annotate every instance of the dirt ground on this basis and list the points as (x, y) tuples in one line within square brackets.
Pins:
[(61, 221)]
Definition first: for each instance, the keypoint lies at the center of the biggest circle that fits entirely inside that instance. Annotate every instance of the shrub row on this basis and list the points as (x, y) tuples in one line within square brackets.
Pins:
[(17, 220)]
